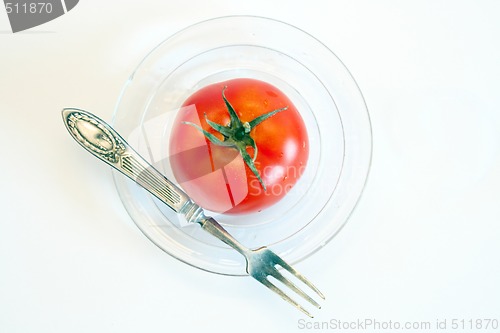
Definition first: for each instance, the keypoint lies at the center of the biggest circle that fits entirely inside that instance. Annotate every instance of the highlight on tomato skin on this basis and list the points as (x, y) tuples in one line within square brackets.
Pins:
[(239, 146)]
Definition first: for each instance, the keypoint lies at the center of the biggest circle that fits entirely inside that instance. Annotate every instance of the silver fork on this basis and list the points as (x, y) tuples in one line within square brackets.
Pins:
[(104, 142)]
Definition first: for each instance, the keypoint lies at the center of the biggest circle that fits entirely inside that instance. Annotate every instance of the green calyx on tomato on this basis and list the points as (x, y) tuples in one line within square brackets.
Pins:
[(237, 134)]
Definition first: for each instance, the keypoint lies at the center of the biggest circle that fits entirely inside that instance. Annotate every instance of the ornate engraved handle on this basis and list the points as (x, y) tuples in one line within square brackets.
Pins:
[(101, 140)]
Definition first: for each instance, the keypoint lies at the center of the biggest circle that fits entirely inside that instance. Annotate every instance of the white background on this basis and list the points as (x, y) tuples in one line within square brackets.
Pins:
[(423, 243)]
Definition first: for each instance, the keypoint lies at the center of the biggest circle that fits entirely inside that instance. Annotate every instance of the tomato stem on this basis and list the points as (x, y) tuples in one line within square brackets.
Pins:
[(237, 134)]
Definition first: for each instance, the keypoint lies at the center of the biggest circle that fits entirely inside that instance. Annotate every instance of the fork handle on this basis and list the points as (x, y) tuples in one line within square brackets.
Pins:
[(102, 141)]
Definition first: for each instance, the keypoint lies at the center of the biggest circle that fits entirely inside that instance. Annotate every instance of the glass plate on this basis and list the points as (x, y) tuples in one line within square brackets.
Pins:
[(318, 84)]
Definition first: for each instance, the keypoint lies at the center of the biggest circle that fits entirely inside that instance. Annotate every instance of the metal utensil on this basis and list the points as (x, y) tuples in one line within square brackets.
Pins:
[(105, 143)]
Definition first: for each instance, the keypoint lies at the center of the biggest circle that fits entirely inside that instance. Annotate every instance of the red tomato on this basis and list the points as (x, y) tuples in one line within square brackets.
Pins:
[(240, 162)]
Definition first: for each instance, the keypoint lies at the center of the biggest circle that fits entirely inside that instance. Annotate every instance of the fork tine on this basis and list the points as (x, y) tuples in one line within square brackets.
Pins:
[(283, 295), (278, 276), (298, 275)]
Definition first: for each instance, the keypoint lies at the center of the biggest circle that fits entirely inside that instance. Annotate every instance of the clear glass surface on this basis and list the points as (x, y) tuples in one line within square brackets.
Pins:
[(321, 88)]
